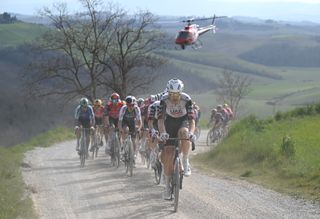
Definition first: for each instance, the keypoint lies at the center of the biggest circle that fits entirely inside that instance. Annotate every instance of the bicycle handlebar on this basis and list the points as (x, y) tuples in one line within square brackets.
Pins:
[(193, 146)]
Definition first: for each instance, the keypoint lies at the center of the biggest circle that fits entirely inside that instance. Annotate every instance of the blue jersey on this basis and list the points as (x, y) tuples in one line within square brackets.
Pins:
[(85, 117)]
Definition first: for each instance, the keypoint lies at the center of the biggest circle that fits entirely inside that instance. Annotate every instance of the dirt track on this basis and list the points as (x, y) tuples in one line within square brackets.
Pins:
[(61, 189)]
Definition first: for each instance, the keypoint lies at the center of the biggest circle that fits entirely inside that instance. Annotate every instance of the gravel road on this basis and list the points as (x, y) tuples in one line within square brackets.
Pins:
[(61, 189)]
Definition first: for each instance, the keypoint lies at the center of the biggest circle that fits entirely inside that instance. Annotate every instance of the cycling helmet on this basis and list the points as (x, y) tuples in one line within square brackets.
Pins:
[(97, 102), (84, 101), (175, 86), (140, 101), (225, 105), (214, 110), (130, 100), (152, 98), (219, 107), (115, 96)]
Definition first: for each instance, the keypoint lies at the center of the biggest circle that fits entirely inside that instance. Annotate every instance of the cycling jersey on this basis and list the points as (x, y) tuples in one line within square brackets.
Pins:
[(84, 117), (176, 115), (176, 110), (112, 110), (98, 111), (134, 115), (129, 118), (153, 110)]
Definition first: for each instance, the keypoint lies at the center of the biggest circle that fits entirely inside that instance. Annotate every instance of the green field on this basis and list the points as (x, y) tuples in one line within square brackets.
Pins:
[(255, 150), (12, 35)]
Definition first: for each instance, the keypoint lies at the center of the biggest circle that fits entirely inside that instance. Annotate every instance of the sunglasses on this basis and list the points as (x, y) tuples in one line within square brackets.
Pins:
[(174, 94)]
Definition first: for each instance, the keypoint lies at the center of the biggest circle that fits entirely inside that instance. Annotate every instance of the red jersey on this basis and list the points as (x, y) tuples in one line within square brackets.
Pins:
[(113, 110), (98, 111)]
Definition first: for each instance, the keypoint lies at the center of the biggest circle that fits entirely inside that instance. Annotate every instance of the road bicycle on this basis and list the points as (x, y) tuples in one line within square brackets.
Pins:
[(215, 135), (97, 140), (156, 164), (128, 156), (145, 152), (177, 176), (84, 143), (115, 147), (197, 132)]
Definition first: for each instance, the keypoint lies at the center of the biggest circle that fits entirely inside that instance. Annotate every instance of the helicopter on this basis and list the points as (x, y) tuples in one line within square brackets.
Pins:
[(191, 32)]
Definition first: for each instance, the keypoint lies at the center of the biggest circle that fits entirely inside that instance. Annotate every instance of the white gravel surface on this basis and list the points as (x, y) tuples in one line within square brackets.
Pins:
[(61, 189)]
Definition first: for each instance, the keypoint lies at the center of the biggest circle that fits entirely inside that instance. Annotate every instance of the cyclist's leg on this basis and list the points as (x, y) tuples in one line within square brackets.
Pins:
[(185, 148), (167, 156)]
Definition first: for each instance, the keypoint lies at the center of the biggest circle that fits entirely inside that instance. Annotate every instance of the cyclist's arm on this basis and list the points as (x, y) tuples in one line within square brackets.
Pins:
[(121, 114), (161, 112), (138, 118), (191, 116)]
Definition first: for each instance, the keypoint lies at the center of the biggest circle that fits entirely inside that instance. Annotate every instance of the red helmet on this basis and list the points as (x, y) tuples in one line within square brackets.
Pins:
[(115, 96)]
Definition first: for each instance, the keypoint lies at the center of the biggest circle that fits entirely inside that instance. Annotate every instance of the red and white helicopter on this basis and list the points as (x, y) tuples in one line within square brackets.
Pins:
[(189, 35)]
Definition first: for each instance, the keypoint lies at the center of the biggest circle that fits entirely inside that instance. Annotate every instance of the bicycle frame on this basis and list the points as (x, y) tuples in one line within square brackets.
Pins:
[(84, 145)]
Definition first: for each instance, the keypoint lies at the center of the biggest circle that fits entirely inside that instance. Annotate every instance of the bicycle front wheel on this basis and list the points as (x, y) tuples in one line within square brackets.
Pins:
[(176, 183), (83, 151), (130, 158)]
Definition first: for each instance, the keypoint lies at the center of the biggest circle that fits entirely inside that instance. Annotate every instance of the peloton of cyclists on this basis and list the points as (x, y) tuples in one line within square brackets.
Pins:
[(84, 118), (176, 119)]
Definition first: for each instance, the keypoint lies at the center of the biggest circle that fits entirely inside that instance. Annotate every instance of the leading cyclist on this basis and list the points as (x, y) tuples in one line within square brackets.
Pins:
[(176, 120), (84, 117)]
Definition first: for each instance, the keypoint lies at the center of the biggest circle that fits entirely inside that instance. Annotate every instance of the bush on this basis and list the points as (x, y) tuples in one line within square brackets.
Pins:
[(287, 146)]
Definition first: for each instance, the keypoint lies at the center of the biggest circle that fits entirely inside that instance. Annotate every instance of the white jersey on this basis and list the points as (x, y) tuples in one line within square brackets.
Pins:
[(176, 110), (153, 110), (135, 114)]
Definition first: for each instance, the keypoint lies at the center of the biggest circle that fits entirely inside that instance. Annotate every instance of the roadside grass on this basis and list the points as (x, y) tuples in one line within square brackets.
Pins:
[(14, 199), (281, 153)]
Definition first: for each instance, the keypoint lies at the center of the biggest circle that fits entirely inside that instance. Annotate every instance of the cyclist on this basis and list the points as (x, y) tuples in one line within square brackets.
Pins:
[(111, 114), (130, 120), (216, 118), (153, 128), (176, 119), (98, 110), (84, 117), (229, 111)]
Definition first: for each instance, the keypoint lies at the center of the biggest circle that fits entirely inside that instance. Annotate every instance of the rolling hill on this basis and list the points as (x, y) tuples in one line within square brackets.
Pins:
[(241, 47)]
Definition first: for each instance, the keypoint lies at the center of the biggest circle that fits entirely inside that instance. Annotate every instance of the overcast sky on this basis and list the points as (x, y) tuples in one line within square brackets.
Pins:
[(274, 9)]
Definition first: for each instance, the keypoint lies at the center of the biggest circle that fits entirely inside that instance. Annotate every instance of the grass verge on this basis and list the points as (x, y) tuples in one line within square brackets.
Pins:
[(280, 153), (14, 201)]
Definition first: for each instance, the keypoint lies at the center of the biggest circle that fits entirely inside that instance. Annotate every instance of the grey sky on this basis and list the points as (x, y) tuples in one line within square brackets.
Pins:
[(274, 9)]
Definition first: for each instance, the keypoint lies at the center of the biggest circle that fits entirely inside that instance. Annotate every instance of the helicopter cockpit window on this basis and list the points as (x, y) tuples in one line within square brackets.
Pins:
[(184, 34)]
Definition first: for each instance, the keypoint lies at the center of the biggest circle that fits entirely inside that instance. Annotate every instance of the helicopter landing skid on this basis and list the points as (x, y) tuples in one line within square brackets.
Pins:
[(197, 45)]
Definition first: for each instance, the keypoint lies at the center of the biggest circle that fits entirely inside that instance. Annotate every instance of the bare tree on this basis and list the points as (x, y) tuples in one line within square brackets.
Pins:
[(88, 53), (131, 60), (232, 88)]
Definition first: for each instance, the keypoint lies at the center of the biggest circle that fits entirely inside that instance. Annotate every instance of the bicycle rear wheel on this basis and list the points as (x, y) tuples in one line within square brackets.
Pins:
[(176, 183), (157, 172), (209, 137), (197, 132)]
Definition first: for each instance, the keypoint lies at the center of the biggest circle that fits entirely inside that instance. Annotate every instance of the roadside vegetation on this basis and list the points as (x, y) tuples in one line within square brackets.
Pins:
[(14, 201), (281, 152)]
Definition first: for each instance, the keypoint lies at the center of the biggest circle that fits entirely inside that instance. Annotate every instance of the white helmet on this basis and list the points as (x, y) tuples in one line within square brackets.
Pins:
[(175, 85), (130, 100)]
